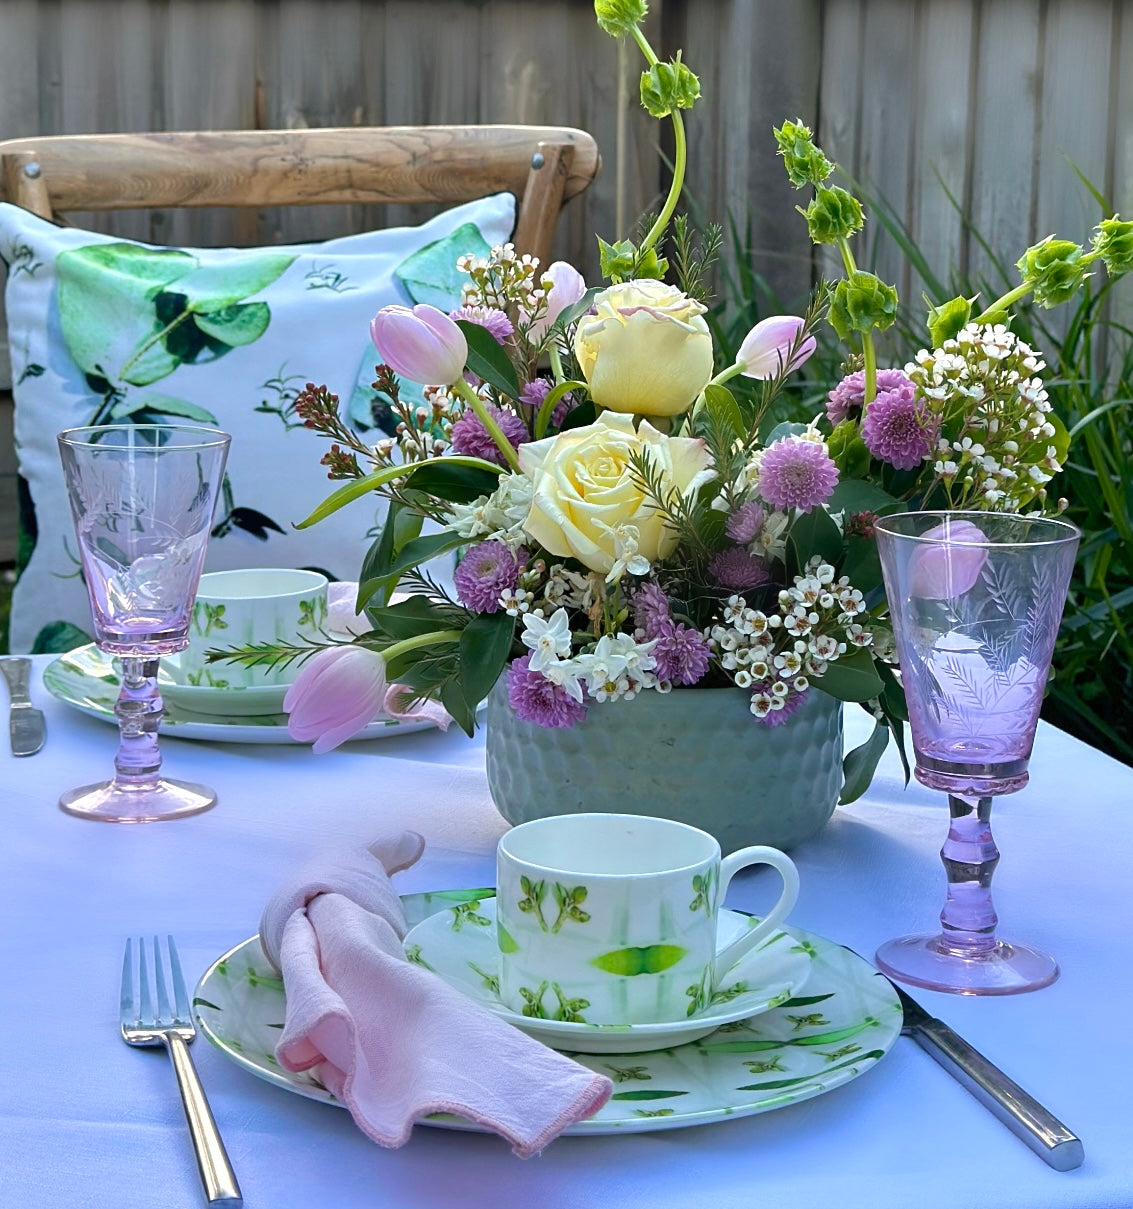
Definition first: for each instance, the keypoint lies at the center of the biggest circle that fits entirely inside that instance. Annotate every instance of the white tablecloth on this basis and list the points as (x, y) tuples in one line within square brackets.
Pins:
[(86, 1121)]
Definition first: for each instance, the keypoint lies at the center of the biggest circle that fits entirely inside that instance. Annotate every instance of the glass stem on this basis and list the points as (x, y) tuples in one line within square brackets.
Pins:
[(138, 710), (970, 857)]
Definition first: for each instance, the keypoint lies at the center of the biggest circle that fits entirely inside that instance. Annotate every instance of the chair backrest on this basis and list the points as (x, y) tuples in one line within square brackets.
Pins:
[(543, 166)]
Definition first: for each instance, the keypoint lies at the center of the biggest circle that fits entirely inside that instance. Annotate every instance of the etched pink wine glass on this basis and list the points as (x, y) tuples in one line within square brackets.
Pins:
[(142, 498), (976, 600)]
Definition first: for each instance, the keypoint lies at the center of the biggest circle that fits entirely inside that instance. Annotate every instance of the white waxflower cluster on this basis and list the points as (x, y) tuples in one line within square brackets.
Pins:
[(616, 668), (503, 280), (777, 655), (996, 447)]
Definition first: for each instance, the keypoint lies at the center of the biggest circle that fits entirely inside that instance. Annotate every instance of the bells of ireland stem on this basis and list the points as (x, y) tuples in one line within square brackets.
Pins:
[(1054, 269), (420, 343), (766, 349), (618, 17)]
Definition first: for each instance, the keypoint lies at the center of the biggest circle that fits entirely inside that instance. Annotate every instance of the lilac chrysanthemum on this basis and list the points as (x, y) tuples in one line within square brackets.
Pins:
[(681, 654), (791, 706), (744, 524), (736, 568), (897, 429), (795, 473), (848, 397), (537, 390), (650, 609), (487, 570), (469, 436), (493, 321), (535, 699)]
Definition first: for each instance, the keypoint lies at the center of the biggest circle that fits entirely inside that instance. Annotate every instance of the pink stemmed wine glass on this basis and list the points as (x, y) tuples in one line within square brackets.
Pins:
[(976, 600), (142, 497)]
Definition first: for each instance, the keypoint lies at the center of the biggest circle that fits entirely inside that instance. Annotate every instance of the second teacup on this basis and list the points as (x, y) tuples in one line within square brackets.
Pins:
[(243, 607), (612, 918)]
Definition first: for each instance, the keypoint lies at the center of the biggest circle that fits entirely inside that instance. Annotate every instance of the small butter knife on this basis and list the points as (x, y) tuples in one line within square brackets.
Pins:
[(26, 726), (1043, 1132)]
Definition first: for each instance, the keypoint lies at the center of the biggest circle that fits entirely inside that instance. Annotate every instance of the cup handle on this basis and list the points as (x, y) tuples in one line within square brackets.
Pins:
[(729, 867)]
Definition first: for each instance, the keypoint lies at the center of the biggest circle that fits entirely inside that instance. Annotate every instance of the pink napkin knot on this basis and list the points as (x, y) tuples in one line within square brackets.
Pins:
[(390, 1039)]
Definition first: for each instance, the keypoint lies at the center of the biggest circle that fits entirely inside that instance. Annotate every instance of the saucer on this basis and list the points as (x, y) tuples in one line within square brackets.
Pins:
[(847, 1021), (459, 945), (221, 699)]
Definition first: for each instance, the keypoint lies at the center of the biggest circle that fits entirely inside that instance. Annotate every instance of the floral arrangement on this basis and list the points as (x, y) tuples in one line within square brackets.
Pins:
[(624, 523)]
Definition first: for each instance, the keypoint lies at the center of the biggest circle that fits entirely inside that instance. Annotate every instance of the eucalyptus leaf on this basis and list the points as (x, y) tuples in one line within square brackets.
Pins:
[(236, 325), (107, 309), (216, 287)]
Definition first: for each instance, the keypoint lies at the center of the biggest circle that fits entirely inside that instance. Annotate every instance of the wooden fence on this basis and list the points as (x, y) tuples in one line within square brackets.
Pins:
[(949, 109)]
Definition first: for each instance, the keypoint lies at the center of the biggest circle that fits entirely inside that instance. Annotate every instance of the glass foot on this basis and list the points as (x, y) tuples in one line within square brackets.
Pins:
[(929, 961), (111, 802)]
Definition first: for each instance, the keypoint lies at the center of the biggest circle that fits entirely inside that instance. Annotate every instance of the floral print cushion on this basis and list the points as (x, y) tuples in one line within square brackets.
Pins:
[(105, 330)]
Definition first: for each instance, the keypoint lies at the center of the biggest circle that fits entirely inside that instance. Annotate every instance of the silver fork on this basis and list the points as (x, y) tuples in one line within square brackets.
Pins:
[(173, 1027)]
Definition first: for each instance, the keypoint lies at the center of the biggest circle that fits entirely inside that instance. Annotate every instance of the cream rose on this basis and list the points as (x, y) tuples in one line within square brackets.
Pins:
[(584, 493), (646, 350)]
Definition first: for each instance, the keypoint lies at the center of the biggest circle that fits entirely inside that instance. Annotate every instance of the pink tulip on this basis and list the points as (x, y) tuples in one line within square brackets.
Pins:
[(943, 572), (567, 287), (337, 693), (768, 344), (421, 344)]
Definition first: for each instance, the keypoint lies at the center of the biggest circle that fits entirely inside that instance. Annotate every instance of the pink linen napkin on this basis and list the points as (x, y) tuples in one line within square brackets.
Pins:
[(391, 1040), (400, 703)]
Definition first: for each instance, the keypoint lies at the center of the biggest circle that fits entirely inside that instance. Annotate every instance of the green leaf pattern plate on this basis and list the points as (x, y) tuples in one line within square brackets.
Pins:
[(88, 680), (460, 945), (847, 1020)]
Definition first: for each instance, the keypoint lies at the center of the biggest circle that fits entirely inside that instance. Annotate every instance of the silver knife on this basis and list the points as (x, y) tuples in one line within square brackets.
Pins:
[(26, 726), (1043, 1132)]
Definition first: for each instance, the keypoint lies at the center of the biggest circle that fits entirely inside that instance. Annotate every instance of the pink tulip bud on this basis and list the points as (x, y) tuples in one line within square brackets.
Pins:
[(567, 287), (421, 344), (945, 571), (766, 347), (337, 693)]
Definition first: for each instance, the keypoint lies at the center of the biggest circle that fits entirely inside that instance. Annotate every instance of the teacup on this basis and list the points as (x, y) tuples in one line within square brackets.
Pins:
[(242, 607), (613, 919)]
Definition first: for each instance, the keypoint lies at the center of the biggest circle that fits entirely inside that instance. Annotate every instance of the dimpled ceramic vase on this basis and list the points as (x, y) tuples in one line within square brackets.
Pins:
[(694, 755)]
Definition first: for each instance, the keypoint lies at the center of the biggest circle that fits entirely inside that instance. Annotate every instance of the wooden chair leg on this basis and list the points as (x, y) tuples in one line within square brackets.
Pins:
[(24, 183)]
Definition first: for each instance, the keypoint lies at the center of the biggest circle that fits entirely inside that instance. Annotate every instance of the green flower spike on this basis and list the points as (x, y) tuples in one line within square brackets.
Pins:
[(860, 303), (1054, 269), (946, 320), (668, 86), (1113, 243), (805, 163), (618, 17), (834, 214)]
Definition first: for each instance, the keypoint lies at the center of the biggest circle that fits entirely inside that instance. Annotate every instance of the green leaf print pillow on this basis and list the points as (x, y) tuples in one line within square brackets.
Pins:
[(104, 330)]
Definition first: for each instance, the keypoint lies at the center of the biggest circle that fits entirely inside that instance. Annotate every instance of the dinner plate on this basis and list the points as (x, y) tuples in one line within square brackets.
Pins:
[(86, 679), (459, 944), (848, 1019)]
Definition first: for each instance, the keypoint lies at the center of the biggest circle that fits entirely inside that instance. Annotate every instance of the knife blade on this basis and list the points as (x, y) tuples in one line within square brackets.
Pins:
[(26, 727), (1043, 1132)]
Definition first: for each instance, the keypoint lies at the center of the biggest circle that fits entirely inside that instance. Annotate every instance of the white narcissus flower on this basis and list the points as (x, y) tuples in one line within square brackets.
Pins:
[(646, 350), (584, 490), (548, 640)]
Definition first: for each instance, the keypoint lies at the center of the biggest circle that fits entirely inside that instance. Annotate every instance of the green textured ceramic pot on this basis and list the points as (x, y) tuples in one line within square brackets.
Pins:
[(695, 755)]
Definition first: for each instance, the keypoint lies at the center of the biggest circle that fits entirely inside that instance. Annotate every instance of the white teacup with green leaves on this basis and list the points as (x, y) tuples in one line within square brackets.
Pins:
[(612, 919), (246, 607)]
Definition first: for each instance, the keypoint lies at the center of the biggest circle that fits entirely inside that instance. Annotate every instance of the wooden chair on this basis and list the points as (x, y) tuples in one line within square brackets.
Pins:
[(543, 166)]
